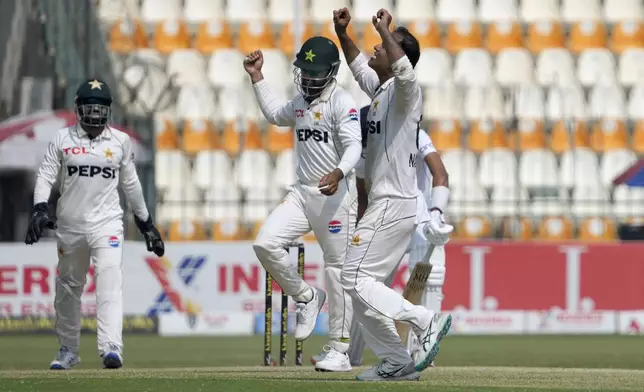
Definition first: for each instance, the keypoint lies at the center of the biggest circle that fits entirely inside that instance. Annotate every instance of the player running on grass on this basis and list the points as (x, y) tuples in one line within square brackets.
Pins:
[(429, 168), (323, 199), (91, 160), (389, 221)]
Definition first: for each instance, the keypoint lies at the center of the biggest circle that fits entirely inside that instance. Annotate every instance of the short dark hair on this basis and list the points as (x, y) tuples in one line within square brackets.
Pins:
[(409, 45)]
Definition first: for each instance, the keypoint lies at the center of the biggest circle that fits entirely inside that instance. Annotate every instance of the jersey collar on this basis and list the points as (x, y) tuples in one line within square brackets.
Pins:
[(106, 134), (384, 86)]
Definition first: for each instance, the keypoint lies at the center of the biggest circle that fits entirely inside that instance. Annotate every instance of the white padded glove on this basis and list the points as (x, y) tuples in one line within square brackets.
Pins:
[(436, 230)]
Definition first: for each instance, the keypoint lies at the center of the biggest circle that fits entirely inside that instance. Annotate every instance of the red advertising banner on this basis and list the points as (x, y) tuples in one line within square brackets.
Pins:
[(575, 277)]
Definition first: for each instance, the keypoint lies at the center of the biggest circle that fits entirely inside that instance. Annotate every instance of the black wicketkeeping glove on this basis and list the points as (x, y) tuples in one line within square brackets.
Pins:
[(152, 236), (38, 222)]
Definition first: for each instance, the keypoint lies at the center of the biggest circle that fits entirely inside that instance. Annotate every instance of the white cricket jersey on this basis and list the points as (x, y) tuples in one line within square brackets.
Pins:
[(327, 130), (89, 172), (393, 120), (423, 175)]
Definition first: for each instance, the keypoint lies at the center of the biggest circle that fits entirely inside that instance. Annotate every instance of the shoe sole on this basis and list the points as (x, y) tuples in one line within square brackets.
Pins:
[(56, 367), (332, 371), (112, 363), (434, 352), (323, 300)]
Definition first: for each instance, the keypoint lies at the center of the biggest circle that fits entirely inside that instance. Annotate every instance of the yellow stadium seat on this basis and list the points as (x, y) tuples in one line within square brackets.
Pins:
[(486, 134), (513, 228), (171, 35), (199, 135), (227, 231), (427, 33), (126, 36), (503, 35), (560, 136), (252, 137), (556, 228), (230, 141), (627, 35), (167, 137), (255, 35), (474, 228), (597, 229), (328, 30), (462, 35), (213, 35), (278, 139), (186, 230), (638, 137), (609, 134), (587, 35), (286, 38), (446, 134), (545, 35), (530, 135)]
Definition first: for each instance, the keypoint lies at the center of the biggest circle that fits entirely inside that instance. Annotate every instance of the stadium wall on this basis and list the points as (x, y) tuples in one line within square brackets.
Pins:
[(217, 288)]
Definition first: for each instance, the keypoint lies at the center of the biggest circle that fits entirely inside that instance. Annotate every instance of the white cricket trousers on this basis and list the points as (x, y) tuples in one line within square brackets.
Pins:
[(379, 243), (332, 219), (76, 250)]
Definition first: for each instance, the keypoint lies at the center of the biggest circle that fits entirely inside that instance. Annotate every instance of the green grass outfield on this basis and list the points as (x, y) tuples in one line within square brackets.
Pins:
[(496, 363)]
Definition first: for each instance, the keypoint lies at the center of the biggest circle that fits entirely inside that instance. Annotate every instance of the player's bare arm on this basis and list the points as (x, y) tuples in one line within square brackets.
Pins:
[(381, 21), (436, 167), (341, 20)]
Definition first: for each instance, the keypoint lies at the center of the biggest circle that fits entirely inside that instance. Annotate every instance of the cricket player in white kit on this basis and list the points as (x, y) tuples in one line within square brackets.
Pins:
[(328, 147), (385, 230), (429, 169), (90, 160)]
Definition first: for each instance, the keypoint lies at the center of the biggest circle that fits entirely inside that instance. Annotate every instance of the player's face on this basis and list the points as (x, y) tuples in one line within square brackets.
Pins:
[(92, 116), (313, 83), (379, 61)]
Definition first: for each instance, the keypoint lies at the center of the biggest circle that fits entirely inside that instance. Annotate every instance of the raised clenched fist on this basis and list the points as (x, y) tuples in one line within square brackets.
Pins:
[(341, 19), (253, 62), (381, 20)]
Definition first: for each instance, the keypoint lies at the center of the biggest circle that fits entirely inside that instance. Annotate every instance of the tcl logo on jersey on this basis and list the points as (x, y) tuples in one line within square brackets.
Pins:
[(91, 171), (374, 127), (299, 113), (75, 150), (318, 136)]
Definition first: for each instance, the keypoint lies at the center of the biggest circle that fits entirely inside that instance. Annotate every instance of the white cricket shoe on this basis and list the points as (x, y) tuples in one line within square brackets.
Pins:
[(333, 361), (320, 357), (306, 314), (388, 371), (65, 359), (415, 347), (430, 339), (112, 360)]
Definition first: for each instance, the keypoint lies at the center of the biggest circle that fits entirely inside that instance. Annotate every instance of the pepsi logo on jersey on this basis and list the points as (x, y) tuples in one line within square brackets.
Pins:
[(113, 241), (75, 150), (335, 226), (318, 136), (91, 171), (353, 115)]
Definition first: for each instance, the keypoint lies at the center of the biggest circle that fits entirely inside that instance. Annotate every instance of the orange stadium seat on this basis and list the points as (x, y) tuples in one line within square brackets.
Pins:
[(556, 228), (328, 31), (370, 38), (609, 134), (530, 135), (278, 139), (462, 35), (503, 35), (199, 135), (252, 137), (587, 35), (213, 35), (474, 228), (166, 135), (597, 229), (227, 231), (428, 33), (627, 35), (486, 134), (286, 39), (126, 36), (545, 35), (171, 35), (309, 237), (186, 230), (254, 229), (255, 35), (446, 134), (230, 140), (560, 140), (513, 228), (638, 137)]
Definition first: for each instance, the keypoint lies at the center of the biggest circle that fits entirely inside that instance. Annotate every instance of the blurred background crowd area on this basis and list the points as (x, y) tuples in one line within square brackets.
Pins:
[(535, 105)]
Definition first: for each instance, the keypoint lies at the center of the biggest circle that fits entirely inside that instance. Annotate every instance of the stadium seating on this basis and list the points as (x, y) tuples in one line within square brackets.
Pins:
[(535, 106)]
